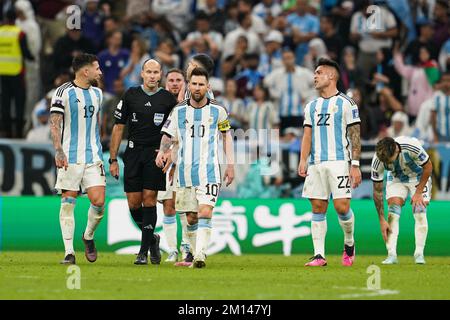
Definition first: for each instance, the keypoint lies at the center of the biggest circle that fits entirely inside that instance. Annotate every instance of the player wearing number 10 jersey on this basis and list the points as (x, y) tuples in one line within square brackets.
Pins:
[(328, 121), (76, 107)]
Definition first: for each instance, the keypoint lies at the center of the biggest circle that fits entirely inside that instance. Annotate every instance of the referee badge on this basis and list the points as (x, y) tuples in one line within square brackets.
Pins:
[(158, 118)]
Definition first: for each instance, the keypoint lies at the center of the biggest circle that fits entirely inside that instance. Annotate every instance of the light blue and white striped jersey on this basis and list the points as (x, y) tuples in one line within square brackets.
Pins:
[(81, 127), (408, 165), (197, 132), (264, 116), (441, 104), (329, 119)]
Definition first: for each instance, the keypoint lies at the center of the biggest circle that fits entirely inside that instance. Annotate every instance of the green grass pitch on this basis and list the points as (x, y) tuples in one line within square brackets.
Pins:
[(38, 275)]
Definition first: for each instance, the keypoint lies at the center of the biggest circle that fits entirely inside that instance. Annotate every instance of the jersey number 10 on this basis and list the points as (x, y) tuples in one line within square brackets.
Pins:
[(200, 131)]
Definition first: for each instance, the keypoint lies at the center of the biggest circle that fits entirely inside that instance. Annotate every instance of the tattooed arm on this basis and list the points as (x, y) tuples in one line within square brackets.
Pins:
[(55, 130), (355, 139), (378, 200), (164, 150)]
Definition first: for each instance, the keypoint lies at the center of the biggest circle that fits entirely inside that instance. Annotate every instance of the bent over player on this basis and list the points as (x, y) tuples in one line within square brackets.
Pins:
[(409, 170)]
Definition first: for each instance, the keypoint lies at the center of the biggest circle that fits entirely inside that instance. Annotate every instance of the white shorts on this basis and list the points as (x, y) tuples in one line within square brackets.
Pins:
[(81, 176), (170, 189), (188, 199), (328, 178), (398, 189)]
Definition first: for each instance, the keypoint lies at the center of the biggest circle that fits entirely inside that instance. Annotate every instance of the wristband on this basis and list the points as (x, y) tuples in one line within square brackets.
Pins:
[(112, 160), (355, 163)]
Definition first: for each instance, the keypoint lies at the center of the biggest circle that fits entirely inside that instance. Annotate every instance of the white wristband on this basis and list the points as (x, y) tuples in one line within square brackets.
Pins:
[(355, 163)]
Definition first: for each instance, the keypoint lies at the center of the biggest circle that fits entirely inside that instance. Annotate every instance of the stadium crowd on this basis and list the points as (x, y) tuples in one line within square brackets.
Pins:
[(394, 58)]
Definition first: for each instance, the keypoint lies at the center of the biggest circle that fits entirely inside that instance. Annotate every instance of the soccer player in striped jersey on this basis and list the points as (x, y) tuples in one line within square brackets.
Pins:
[(409, 171), (200, 60), (329, 121), (440, 110), (195, 124), (76, 106)]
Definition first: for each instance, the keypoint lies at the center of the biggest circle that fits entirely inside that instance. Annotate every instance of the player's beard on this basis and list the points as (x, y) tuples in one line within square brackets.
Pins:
[(197, 97), (95, 82)]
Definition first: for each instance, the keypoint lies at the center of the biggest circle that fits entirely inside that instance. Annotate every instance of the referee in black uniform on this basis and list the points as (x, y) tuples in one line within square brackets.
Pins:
[(144, 109)]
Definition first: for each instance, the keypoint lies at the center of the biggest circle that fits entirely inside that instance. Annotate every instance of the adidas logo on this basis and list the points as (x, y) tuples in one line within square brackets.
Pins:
[(185, 121), (213, 200), (148, 104), (78, 100), (348, 191), (149, 227)]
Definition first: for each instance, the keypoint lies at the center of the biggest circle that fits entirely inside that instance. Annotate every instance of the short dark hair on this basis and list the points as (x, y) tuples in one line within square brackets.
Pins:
[(201, 15), (385, 149), (200, 72), (175, 70), (206, 62), (329, 63), (82, 60)]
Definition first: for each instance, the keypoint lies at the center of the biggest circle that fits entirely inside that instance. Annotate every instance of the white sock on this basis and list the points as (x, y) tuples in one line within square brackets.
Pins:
[(347, 222), (391, 243), (318, 232), (170, 230), (192, 237), (203, 236), (420, 231), (67, 223), (183, 221), (95, 215)]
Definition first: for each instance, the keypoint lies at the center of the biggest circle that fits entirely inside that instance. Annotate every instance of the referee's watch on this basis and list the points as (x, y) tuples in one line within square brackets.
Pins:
[(112, 160), (355, 163)]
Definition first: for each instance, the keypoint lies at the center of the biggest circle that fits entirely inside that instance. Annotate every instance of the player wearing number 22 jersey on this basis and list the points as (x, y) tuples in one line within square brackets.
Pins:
[(330, 121)]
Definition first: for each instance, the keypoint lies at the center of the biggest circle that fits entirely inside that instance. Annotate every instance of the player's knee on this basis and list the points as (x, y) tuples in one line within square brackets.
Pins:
[(149, 200), (169, 209), (395, 209), (342, 208), (192, 218), (99, 203)]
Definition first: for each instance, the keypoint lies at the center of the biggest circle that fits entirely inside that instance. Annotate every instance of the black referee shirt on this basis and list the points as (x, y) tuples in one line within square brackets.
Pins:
[(145, 114)]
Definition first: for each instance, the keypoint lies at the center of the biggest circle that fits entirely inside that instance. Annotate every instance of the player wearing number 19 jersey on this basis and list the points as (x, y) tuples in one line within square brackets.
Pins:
[(76, 107), (328, 121)]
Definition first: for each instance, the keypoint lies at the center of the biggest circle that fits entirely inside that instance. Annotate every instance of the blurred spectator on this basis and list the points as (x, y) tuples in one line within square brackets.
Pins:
[(421, 78), (271, 59), (329, 35), (166, 55), (350, 72), (267, 10), (254, 42), (178, 13), (369, 125), (425, 39), (67, 47), (422, 129), (444, 57), (203, 32), (440, 111), (248, 78), (110, 25), (371, 37), (27, 23), (441, 24), (342, 13), (384, 74), (316, 50), (135, 7), (216, 15), (52, 19), (41, 133), (91, 20), (235, 63), (13, 42), (399, 125), (304, 27), (258, 24), (403, 15), (261, 112), (234, 105), (292, 87), (131, 74), (108, 107), (231, 14), (113, 59), (385, 106)]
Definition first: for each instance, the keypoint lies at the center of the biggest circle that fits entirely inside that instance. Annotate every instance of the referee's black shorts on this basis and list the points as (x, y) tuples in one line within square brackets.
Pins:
[(140, 170)]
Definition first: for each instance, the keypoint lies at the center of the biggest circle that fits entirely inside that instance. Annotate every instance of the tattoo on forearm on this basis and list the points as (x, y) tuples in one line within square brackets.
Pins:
[(166, 142), (355, 138), (55, 129), (378, 198)]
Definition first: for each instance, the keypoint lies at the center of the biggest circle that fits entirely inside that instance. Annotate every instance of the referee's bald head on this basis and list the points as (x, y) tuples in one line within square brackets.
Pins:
[(151, 62)]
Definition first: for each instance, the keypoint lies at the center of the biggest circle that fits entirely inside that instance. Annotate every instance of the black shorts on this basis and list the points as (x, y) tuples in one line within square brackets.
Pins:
[(140, 171)]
